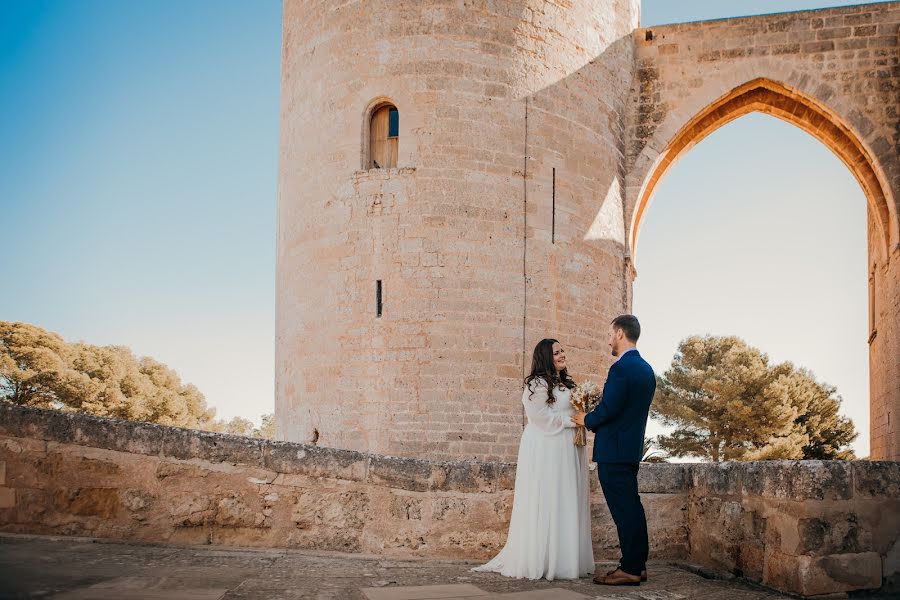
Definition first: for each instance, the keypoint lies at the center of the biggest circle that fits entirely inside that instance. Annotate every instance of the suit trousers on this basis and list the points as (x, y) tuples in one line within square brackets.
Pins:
[(620, 487)]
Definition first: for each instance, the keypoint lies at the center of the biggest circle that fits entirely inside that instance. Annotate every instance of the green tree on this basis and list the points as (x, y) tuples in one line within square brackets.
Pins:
[(266, 430), (825, 433), (728, 403), (242, 426), (35, 367), (38, 368), (239, 426)]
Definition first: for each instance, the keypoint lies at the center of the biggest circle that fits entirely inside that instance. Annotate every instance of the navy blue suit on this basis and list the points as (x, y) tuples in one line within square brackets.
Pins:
[(619, 422)]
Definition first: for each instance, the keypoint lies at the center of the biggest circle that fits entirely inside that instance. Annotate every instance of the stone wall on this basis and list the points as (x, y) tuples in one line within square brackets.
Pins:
[(835, 73), (532, 135), (804, 527), (68, 474), (810, 528), (492, 97)]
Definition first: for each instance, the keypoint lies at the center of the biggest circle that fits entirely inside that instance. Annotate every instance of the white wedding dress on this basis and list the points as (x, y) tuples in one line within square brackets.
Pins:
[(550, 528)]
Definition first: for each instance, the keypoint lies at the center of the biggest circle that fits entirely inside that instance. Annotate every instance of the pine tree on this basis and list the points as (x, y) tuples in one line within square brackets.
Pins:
[(728, 403), (38, 368)]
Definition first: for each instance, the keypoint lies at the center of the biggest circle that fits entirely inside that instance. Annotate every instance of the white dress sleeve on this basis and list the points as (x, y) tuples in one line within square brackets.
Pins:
[(534, 397)]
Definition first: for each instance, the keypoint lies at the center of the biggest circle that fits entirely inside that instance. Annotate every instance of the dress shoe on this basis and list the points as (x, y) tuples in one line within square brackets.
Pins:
[(617, 577), (643, 574)]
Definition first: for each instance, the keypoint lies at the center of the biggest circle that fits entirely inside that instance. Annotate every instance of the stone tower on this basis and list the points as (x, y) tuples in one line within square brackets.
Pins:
[(403, 314), (459, 179)]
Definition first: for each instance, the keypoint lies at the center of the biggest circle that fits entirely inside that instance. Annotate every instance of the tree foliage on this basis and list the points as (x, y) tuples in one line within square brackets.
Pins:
[(242, 426), (728, 403), (38, 368)]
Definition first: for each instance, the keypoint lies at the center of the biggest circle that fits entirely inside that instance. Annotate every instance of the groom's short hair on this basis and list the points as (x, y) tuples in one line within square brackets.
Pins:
[(629, 326)]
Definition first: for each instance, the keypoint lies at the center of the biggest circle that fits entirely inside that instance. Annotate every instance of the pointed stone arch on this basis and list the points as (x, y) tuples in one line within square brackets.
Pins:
[(778, 100)]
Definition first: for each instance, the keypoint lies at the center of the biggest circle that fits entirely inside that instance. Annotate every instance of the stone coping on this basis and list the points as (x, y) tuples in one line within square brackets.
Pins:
[(788, 480), (767, 17)]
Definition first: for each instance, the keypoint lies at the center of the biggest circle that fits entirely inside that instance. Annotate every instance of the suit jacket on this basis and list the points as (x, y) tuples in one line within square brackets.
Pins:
[(620, 420)]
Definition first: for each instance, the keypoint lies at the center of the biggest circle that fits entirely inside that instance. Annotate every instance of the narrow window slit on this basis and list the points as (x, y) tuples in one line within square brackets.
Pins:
[(553, 225), (379, 305), (873, 313)]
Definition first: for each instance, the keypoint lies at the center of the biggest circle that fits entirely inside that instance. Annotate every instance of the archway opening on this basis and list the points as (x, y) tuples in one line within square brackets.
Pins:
[(761, 232), (772, 98)]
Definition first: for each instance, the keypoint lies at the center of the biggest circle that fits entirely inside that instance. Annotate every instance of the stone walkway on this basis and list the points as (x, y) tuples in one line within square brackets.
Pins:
[(82, 569)]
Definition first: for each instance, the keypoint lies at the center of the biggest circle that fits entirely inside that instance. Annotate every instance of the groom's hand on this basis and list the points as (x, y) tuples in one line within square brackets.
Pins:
[(578, 418)]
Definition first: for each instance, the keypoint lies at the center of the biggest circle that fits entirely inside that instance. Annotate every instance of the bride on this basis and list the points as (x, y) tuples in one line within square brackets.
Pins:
[(550, 528)]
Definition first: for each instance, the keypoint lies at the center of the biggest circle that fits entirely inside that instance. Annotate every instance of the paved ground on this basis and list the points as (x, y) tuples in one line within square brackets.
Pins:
[(82, 569)]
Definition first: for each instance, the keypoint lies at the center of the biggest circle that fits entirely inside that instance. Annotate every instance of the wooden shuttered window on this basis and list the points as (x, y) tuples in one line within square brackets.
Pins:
[(384, 138)]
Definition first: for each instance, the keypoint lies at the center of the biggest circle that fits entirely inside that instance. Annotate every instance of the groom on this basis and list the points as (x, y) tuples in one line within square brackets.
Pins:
[(619, 422)]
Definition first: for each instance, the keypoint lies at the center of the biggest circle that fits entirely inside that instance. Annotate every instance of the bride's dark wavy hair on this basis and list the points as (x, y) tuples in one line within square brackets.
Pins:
[(542, 368)]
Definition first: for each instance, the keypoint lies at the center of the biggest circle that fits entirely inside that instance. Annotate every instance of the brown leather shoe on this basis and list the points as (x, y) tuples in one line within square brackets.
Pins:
[(643, 574), (617, 577)]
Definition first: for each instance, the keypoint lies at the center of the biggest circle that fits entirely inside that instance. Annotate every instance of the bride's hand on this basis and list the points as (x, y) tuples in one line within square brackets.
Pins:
[(578, 418)]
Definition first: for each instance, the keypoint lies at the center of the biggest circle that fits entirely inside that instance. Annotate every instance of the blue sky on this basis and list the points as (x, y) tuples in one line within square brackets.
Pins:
[(138, 164)]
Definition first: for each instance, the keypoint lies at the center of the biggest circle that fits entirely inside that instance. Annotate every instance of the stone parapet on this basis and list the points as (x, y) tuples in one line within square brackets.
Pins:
[(74, 474), (806, 527), (810, 528)]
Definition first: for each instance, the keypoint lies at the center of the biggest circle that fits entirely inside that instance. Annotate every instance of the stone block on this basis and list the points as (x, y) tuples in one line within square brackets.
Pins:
[(782, 571), (89, 502), (506, 476), (661, 478), (717, 478), (750, 561), (313, 461), (28, 447), (234, 511), (882, 519), (798, 480), (667, 524), (840, 573), (465, 477), (331, 520), (186, 444), (122, 436), (2, 472), (191, 509), (716, 516), (64, 427), (406, 508), (404, 473), (753, 526), (7, 497), (890, 563), (136, 500), (876, 479), (20, 421), (168, 469), (821, 575), (832, 534)]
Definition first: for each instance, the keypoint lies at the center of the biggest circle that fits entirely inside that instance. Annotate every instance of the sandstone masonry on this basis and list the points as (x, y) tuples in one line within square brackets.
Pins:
[(804, 527), (532, 134)]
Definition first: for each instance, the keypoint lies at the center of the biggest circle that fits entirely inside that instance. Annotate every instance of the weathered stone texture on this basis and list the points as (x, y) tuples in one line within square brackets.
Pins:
[(479, 87), (805, 527), (225, 489), (532, 136), (834, 73)]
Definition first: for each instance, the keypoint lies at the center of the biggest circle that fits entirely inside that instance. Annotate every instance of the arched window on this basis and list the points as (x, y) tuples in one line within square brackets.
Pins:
[(384, 136)]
